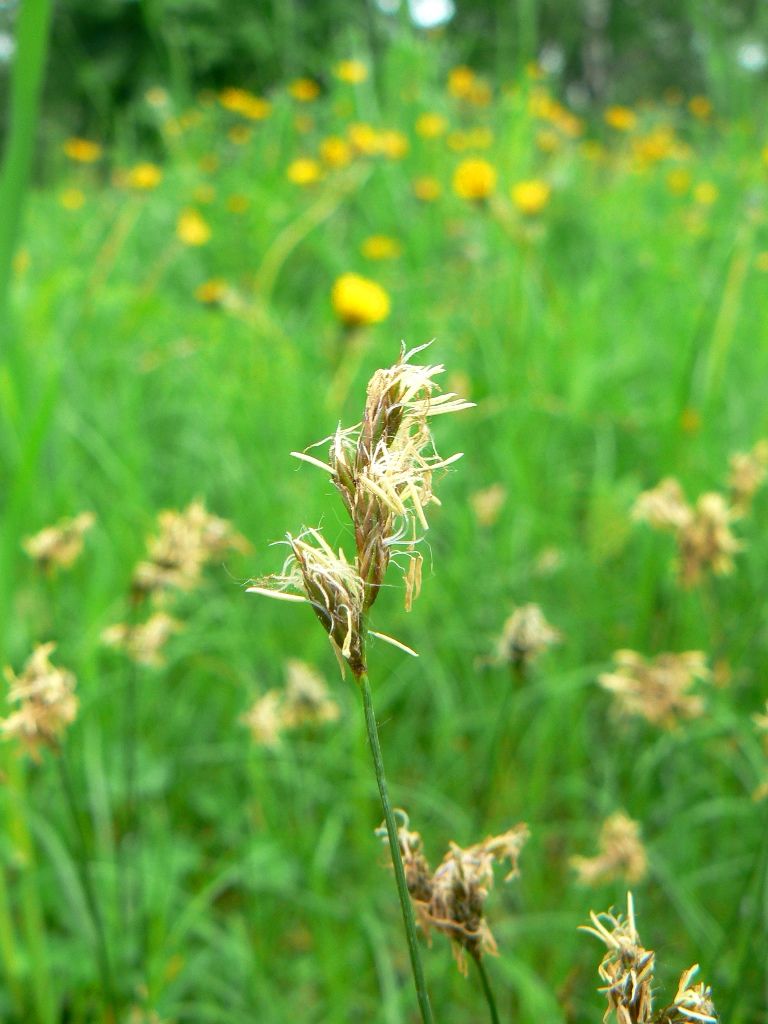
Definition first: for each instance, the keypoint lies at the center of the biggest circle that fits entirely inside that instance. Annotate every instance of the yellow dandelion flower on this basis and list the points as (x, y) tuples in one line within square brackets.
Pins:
[(358, 301), (479, 138), (481, 94), (72, 199), (211, 292), (530, 197), (335, 151), (700, 107), (304, 171), (427, 189), (458, 141), (679, 181), (209, 163), (393, 144), (240, 101), (192, 229), (143, 177), (461, 82), (431, 126), (82, 151), (238, 203), (351, 71), (364, 138), (474, 179), (304, 90), (622, 119), (381, 247), (705, 193)]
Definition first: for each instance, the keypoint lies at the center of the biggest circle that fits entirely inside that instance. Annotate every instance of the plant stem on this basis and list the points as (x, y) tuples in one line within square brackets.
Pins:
[(397, 861), (28, 70), (487, 992), (85, 879)]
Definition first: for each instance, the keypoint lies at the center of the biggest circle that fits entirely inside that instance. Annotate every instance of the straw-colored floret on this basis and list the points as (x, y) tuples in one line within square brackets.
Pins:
[(143, 642), (748, 471), (452, 899), (59, 546), (47, 702), (305, 701), (658, 689), (526, 634), (621, 853)]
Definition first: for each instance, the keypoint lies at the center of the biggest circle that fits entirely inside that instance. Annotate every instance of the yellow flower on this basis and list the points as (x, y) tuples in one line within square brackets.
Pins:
[(357, 301), (304, 90), (427, 189), (621, 118), (82, 151), (706, 193), (700, 107), (192, 229), (238, 203), (479, 138), (304, 171), (21, 261), (480, 94), (335, 151), (240, 101), (352, 71), (72, 198), (474, 179), (393, 144), (381, 247), (364, 138), (209, 163), (210, 292), (431, 126), (461, 82), (761, 261), (143, 177), (548, 141), (458, 141), (679, 181), (530, 197)]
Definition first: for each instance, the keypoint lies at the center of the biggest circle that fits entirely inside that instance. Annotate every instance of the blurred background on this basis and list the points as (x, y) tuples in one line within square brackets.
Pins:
[(216, 222)]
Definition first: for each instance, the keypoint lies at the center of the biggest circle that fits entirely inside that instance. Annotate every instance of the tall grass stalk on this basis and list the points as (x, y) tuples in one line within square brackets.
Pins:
[(394, 845), (487, 990), (29, 66)]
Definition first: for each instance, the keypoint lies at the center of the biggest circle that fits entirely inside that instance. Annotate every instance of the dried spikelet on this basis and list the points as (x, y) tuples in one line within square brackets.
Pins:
[(691, 1003), (621, 853), (488, 503), (47, 702), (186, 540), (144, 642), (526, 634), (664, 507), (626, 968), (707, 542), (452, 900), (330, 585), (657, 690), (304, 701), (383, 467), (747, 473), (703, 533), (59, 546)]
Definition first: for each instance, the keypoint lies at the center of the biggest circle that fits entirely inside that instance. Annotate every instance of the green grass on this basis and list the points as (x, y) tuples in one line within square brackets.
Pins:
[(583, 335)]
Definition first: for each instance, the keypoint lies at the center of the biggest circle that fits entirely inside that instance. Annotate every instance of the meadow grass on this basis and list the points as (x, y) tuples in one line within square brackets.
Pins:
[(614, 338)]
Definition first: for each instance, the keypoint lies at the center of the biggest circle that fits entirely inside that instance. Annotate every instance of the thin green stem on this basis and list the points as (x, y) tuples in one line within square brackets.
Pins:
[(28, 70), (85, 878), (397, 861), (487, 991)]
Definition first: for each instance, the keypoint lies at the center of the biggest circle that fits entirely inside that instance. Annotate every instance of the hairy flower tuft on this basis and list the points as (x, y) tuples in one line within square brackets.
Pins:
[(46, 699), (658, 689)]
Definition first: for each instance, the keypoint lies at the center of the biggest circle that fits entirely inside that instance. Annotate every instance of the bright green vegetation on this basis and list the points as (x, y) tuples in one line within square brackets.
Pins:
[(615, 338)]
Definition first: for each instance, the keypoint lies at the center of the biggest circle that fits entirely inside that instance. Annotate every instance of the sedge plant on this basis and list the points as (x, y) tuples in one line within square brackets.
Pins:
[(383, 469)]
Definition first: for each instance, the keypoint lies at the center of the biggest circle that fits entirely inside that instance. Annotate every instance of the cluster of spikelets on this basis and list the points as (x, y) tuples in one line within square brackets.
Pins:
[(627, 974), (524, 636), (705, 540), (60, 545), (304, 701), (660, 689), (47, 704), (382, 468), (451, 899), (621, 854)]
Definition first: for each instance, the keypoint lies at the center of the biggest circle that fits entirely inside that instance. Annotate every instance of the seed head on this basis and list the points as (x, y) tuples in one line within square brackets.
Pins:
[(626, 968), (144, 642), (747, 473), (692, 1003), (621, 853), (304, 701), (47, 702), (526, 635), (59, 546), (657, 689)]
